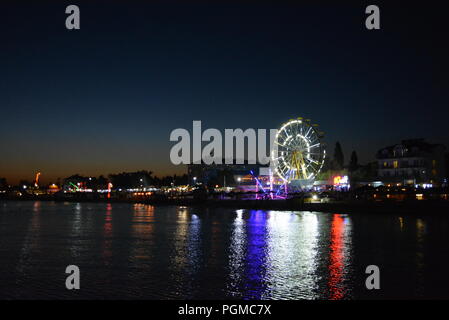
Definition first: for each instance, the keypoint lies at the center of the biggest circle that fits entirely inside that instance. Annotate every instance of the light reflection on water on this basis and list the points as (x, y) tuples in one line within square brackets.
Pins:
[(295, 258), (107, 236), (140, 251), (339, 265)]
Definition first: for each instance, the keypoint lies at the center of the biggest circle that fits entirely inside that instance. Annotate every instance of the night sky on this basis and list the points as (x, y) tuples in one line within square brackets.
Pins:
[(105, 98)]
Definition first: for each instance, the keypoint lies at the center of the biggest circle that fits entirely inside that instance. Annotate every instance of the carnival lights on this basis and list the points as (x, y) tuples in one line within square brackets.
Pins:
[(298, 153)]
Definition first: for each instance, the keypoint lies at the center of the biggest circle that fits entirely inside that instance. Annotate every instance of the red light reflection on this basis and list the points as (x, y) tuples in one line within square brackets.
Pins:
[(336, 265)]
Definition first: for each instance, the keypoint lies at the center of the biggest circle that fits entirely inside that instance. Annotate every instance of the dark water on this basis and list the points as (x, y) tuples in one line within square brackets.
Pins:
[(127, 251)]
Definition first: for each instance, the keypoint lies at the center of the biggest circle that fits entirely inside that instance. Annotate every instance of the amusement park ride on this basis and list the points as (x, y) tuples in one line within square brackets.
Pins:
[(297, 157), (298, 153)]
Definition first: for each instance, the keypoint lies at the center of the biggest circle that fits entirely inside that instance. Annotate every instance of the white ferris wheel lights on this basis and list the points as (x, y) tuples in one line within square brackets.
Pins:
[(300, 153)]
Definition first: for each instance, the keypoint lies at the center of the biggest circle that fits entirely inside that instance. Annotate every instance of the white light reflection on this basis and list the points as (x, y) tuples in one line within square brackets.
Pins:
[(237, 254), (179, 259), (185, 257), (292, 253), (193, 254), (78, 245), (31, 242)]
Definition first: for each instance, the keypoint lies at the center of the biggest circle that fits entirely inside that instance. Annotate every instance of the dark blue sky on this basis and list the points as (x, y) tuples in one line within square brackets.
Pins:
[(105, 98)]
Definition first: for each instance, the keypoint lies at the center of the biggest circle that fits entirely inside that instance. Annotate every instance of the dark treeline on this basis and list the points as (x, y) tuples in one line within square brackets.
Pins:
[(124, 180), (336, 165), (3, 183), (145, 179)]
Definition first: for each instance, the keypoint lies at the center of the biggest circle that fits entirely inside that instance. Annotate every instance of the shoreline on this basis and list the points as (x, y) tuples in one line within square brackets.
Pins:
[(412, 207)]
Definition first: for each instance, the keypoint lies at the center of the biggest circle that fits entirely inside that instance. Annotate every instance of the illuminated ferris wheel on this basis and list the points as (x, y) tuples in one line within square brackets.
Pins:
[(298, 152)]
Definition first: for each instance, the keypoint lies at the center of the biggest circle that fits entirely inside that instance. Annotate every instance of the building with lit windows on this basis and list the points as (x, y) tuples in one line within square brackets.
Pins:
[(412, 162)]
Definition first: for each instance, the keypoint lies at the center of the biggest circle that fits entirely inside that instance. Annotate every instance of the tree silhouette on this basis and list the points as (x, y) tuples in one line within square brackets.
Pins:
[(353, 163), (338, 162), (3, 183)]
